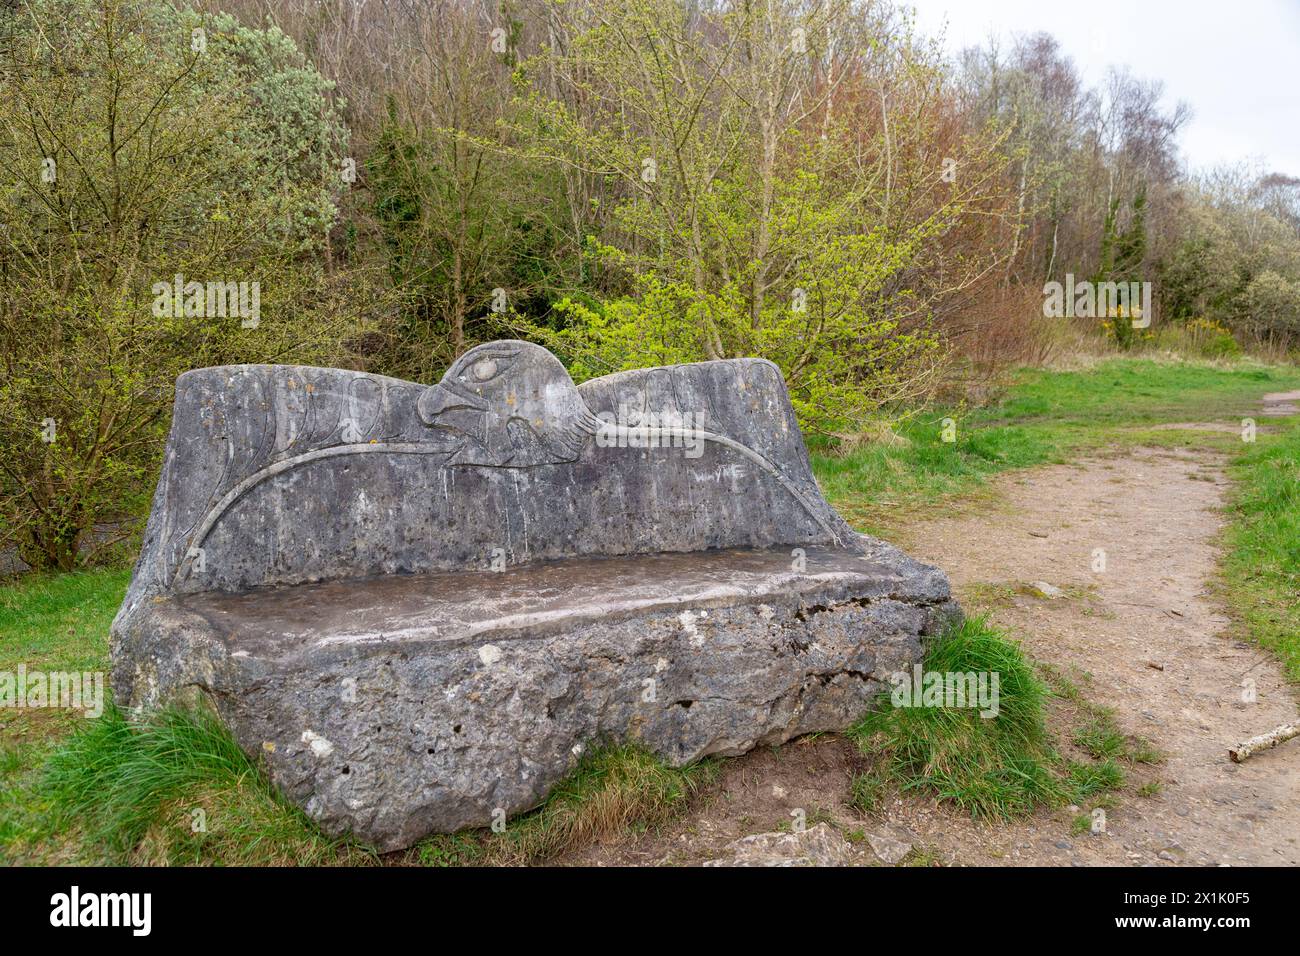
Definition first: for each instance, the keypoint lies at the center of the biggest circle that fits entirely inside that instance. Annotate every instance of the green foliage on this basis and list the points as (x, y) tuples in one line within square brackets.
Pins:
[(1212, 340), (465, 212), (733, 231), (994, 767), (826, 328), (1237, 259), (1261, 571), (141, 151), (1269, 305)]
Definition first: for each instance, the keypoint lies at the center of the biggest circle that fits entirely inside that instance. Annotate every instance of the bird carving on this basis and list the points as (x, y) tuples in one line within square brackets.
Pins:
[(512, 404), (507, 404)]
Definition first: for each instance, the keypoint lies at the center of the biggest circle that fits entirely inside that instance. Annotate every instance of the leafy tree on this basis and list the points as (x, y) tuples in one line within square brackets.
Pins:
[(761, 204), (140, 143), (464, 217)]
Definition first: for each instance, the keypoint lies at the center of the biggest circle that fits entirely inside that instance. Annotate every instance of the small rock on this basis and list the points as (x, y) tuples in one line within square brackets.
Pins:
[(817, 846), (892, 844), (1049, 591), (1064, 845)]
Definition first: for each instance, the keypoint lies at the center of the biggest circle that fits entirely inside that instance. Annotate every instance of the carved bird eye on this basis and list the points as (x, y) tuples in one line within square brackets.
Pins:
[(483, 369)]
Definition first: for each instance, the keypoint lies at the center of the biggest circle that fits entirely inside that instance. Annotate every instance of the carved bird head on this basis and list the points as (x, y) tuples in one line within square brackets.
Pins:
[(513, 405)]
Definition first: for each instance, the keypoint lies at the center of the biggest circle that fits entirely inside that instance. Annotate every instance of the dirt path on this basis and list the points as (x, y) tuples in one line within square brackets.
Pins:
[(1144, 636), (1151, 636)]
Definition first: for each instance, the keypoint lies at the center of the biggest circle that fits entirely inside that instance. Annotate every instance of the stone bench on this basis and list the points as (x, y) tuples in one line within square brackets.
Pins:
[(420, 605)]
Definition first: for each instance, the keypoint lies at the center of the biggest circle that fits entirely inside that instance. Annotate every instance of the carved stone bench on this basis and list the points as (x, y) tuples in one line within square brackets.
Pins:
[(421, 605)]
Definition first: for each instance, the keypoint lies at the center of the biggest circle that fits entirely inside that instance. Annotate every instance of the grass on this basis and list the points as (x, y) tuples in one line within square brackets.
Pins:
[(59, 620), (995, 767), (1261, 568), (867, 792), (1044, 417), (1101, 738), (612, 792), (48, 622), (999, 767), (174, 789)]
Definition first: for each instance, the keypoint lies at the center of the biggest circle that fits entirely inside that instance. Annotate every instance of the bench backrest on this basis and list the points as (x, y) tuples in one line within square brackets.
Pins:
[(278, 475)]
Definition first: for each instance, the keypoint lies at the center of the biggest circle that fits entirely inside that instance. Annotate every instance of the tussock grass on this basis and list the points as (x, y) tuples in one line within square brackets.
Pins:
[(996, 767), (999, 767), (173, 788)]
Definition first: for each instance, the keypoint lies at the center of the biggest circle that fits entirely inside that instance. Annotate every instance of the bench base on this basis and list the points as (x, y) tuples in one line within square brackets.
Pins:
[(394, 707)]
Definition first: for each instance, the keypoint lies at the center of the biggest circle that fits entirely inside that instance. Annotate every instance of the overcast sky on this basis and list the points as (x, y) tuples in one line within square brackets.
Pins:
[(1235, 62)]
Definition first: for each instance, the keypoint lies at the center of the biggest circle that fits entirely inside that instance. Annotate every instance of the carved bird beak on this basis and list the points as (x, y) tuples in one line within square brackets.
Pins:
[(444, 397)]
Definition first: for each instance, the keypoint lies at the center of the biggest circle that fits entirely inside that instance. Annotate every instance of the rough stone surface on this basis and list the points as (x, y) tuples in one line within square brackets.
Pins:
[(319, 567), (892, 843), (821, 845), (286, 474)]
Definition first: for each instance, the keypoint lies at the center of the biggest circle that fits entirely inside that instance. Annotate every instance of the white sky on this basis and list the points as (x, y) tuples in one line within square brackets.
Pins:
[(1235, 62)]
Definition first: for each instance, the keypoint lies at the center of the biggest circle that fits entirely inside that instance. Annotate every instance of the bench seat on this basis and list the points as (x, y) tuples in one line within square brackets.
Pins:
[(394, 705)]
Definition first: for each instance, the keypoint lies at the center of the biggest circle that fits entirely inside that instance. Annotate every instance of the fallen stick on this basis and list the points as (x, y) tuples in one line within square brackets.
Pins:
[(1264, 742)]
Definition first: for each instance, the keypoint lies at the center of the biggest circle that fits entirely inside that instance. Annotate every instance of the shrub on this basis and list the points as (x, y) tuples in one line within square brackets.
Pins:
[(143, 150)]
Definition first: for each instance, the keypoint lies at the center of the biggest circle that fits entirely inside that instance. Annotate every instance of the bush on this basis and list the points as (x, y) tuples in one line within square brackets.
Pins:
[(1213, 340), (146, 143), (1269, 307)]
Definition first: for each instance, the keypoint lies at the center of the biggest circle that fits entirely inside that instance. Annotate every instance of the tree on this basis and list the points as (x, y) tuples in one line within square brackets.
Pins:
[(464, 218), (146, 151), (780, 187)]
